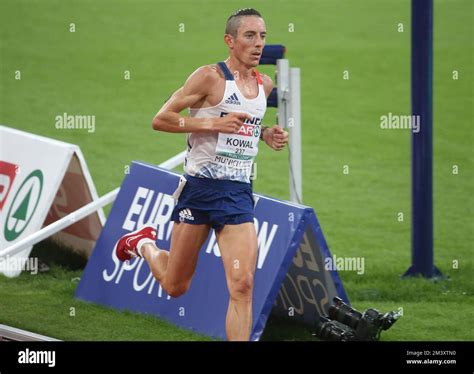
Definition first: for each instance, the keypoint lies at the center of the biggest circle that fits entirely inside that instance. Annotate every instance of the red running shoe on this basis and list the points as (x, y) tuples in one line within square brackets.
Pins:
[(126, 246)]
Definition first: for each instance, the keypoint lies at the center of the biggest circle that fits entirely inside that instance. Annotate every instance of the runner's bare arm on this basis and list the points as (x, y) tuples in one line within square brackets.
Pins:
[(197, 87)]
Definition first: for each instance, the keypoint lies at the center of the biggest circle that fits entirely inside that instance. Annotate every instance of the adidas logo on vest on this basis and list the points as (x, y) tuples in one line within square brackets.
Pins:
[(233, 99)]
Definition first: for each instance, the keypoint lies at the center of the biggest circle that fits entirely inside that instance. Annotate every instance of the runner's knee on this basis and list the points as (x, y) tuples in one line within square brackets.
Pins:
[(241, 285), (175, 289)]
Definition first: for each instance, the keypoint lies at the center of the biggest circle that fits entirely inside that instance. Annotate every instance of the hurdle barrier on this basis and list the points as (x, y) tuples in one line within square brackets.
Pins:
[(286, 97)]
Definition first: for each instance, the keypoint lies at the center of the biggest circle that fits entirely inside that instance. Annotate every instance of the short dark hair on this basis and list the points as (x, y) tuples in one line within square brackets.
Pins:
[(233, 22)]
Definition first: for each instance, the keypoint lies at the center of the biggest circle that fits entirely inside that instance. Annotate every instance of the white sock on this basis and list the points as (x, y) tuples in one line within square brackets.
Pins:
[(140, 244)]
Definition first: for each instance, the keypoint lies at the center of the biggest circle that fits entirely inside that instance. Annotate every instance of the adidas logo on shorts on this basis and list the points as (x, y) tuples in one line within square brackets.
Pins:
[(233, 99), (186, 214)]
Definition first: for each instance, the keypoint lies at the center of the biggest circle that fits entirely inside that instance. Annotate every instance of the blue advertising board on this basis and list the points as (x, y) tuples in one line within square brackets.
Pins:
[(290, 261)]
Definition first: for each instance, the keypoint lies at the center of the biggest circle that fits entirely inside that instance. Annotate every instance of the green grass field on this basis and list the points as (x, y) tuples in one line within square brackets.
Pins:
[(83, 73)]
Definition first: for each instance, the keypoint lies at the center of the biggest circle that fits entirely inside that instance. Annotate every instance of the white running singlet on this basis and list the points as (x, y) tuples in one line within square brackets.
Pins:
[(227, 156)]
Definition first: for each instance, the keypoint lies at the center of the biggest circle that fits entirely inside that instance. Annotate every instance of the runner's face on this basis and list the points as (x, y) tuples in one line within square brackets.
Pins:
[(248, 45)]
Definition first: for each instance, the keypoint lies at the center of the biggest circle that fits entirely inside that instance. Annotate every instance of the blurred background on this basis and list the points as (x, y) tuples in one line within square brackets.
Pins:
[(355, 67)]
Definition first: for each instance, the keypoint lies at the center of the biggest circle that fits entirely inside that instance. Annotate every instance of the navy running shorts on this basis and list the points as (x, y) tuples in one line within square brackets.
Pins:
[(215, 202)]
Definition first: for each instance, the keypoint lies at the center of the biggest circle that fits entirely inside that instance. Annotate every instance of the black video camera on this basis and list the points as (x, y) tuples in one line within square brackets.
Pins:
[(344, 323)]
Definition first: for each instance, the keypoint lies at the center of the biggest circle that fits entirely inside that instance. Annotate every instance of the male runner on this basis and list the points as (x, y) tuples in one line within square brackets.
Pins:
[(227, 102)]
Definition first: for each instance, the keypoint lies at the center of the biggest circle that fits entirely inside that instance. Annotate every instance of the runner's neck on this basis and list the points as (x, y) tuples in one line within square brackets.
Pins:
[(244, 73)]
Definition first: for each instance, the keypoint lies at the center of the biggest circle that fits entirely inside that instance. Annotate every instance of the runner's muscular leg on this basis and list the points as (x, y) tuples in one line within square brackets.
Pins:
[(238, 247), (174, 269)]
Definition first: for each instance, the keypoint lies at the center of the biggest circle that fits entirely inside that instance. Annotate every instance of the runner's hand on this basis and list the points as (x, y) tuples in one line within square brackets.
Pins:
[(275, 137), (230, 123)]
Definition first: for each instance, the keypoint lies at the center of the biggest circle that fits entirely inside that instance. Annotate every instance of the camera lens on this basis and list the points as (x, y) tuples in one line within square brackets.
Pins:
[(389, 319), (333, 331), (343, 313), (344, 323)]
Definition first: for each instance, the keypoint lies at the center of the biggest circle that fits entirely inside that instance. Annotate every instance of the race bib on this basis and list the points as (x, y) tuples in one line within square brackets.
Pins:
[(238, 150)]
